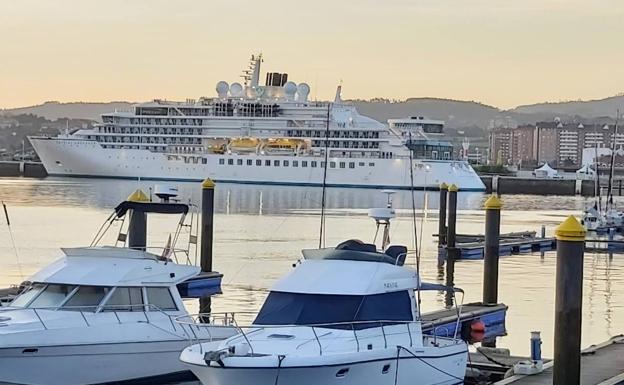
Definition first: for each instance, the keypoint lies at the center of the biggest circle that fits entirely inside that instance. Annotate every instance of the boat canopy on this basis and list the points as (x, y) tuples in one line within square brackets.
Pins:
[(151, 207), (110, 266), (355, 250)]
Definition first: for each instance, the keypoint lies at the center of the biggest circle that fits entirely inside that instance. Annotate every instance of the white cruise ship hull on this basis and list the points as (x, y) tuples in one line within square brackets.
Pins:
[(87, 158), (92, 363), (445, 367)]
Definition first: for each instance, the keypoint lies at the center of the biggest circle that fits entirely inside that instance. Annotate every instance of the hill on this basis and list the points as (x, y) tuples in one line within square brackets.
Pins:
[(77, 110), (587, 109), (458, 114)]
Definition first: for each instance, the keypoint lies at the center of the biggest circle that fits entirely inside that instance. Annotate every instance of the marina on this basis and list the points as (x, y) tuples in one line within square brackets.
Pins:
[(502, 320)]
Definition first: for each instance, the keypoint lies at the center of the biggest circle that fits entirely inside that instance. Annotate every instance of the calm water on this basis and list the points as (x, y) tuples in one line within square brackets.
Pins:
[(261, 230)]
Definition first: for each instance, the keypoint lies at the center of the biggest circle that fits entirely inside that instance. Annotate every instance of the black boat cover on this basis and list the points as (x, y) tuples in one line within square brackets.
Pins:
[(151, 207)]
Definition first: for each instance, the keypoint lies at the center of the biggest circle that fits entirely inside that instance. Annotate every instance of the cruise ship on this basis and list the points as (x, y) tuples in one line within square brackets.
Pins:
[(260, 134)]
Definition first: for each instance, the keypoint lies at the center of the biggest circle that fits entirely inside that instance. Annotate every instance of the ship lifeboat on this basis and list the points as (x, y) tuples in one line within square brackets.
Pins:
[(283, 146), (243, 145)]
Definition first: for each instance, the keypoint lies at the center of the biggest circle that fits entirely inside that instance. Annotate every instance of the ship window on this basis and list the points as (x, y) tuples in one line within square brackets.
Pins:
[(304, 163), (276, 163), (267, 162), (249, 162), (285, 163), (125, 299), (87, 298), (295, 163), (239, 162), (221, 161), (283, 308), (204, 161), (27, 295), (351, 164), (361, 164), (313, 164), (230, 161), (331, 164), (53, 296), (342, 164), (258, 162), (161, 298), (371, 164)]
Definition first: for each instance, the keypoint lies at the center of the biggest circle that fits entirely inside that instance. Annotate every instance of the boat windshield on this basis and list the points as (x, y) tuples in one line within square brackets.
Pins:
[(94, 298), (282, 308)]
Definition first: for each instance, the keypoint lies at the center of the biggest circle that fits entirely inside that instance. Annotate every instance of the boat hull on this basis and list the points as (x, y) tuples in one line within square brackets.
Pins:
[(87, 158), (92, 364), (445, 369)]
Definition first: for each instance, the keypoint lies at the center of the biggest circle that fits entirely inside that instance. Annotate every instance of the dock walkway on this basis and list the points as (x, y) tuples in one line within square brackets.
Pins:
[(601, 364)]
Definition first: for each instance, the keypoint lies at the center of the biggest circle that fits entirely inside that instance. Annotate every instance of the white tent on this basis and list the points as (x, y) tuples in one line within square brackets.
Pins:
[(585, 172), (545, 172)]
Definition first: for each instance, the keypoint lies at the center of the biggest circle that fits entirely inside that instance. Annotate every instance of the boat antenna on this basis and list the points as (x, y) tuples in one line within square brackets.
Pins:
[(597, 199), (416, 250), (8, 222), (324, 193), (610, 187)]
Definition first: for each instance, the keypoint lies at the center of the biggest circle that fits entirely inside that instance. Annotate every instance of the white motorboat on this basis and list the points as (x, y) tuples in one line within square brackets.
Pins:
[(593, 220), (101, 315), (347, 315)]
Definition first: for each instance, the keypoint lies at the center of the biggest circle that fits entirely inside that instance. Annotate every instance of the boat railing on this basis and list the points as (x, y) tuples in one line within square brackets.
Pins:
[(386, 330), (118, 311)]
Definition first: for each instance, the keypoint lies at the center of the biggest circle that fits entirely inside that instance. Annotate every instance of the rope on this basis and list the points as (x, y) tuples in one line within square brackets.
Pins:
[(324, 194), (411, 167), (19, 264), (428, 364), (280, 358), (492, 360), (396, 368)]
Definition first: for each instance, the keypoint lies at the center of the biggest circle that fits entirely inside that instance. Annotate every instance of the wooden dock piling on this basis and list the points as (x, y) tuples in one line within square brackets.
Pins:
[(568, 302)]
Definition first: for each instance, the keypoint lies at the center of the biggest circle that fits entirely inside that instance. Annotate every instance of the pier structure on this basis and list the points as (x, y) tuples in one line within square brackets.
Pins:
[(207, 233)]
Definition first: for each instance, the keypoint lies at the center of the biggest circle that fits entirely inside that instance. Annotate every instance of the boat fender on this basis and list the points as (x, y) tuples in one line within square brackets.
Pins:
[(477, 326), (215, 356)]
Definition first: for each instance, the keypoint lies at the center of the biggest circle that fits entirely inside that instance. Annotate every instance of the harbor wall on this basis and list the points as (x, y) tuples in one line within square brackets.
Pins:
[(536, 186), (26, 169)]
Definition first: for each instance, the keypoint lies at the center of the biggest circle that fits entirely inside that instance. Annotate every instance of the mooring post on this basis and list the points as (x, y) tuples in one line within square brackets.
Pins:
[(137, 225), (491, 251), (620, 187), (207, 220), (451, 250), (568, 302), (543, 234), (442, 215)]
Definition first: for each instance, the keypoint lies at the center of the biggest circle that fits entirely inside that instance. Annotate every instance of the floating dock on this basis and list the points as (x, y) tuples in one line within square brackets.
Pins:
[(601, 364), (443, 323), (471, 247)]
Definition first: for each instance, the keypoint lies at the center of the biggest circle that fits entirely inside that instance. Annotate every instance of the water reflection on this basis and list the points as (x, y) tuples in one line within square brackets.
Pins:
[(260, 231)]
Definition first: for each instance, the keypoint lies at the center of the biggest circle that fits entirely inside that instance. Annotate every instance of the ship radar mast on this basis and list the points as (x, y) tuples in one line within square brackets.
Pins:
[(252, 74)]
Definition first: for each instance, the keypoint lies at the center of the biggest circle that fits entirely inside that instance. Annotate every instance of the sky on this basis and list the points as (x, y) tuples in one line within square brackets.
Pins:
[(499, 52)]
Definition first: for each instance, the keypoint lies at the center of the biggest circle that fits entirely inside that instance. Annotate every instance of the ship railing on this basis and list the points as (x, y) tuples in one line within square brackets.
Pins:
[(119, 313), (362, 334)]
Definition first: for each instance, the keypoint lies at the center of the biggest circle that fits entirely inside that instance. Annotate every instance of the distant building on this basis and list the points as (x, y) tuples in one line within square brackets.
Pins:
[(556, 143)]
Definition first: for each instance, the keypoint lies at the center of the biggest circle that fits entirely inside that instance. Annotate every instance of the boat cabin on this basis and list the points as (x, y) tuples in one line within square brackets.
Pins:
[(106, 279), (351, 285)]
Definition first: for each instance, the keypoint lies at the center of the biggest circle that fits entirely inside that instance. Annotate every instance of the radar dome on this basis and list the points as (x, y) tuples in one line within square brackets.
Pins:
[(236, 90), (222, 89), (290, 89), (303, 90)]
